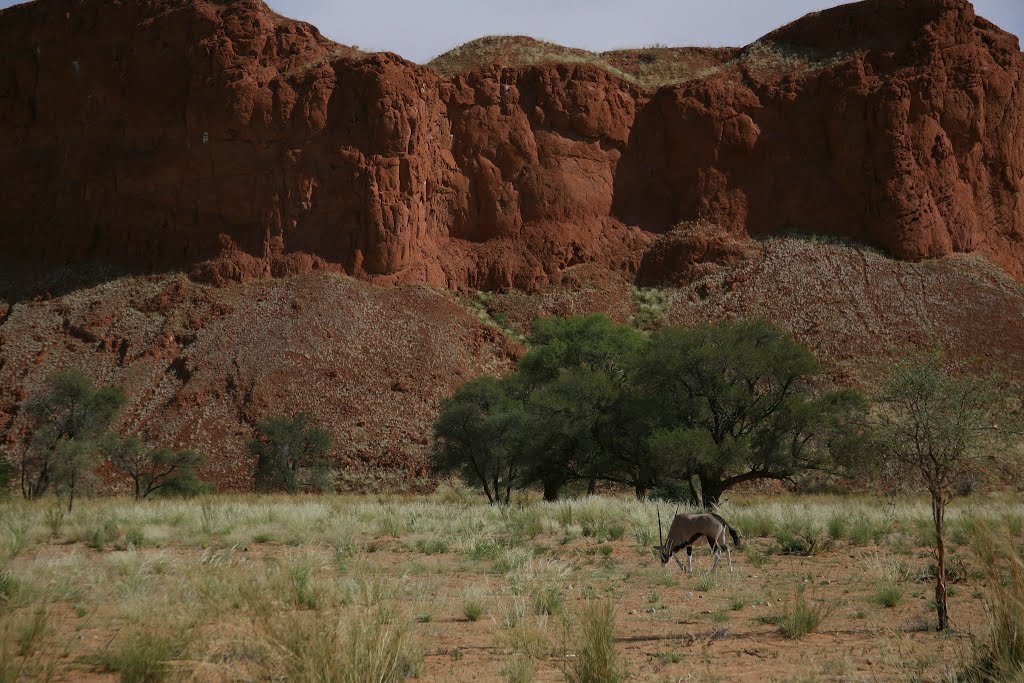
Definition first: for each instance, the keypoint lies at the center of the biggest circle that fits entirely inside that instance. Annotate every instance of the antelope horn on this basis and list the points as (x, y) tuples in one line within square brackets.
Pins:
[(661, 541)]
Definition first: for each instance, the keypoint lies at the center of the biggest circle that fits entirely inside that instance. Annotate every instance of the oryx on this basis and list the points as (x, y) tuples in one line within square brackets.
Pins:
[(687, 528)]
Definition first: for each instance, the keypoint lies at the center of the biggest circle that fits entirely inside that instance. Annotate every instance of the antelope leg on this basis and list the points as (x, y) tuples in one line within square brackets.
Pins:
[(728, 551), (679, 562), (717, 553)]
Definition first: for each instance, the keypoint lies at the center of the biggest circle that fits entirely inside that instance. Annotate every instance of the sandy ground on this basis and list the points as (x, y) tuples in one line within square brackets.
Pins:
[(669, 626)]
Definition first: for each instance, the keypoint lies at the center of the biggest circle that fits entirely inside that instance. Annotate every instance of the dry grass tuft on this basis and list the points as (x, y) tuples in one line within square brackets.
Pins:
[(596, 660), (1000, 657)]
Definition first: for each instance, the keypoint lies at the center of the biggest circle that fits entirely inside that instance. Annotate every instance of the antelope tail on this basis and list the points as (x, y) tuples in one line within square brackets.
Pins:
[(735, 536)]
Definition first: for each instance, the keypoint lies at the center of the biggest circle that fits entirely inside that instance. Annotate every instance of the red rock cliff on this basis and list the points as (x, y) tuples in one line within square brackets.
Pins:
[(138, 134)]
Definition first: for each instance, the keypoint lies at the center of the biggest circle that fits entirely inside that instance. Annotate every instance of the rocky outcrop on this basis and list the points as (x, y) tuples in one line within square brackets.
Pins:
[(690, 251), (893, 122), (219, 137)]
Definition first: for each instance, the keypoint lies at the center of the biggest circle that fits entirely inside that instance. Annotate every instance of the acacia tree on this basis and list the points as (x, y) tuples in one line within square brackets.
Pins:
[(576, 372), (68, 409), (72, 466), (933, 427), (477, 436), (594, 342), (734, 404), (566, 417), (286, 446), (595, 401), (154, 470)]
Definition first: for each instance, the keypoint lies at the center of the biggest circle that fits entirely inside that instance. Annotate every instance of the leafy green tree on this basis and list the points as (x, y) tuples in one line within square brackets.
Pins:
[(565, 420), (574, 374), (160, 471), (68, 408), (477, 434), (626, 454), (733, 404), (286, 448), (934, 427), (695, 410), (72, 468), (594, 342)]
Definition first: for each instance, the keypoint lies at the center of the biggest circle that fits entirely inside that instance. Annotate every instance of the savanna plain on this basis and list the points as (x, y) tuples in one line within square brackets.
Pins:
[(445, 587)]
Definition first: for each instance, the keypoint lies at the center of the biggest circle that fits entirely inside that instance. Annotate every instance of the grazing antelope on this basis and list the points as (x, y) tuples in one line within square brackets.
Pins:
[(687, 528)]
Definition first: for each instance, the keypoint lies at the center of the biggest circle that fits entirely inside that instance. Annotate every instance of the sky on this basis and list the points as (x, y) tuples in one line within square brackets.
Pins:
[(421, 29)]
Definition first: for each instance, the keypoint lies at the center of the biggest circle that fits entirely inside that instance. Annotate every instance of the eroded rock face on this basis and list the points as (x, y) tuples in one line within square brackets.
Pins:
[(690, 251), (897, 123), (220, 137)]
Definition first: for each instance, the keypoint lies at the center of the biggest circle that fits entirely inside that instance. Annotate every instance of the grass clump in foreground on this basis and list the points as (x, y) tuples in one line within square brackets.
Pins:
[(145, 657), (799, 617), (1000, 656), (369, 647), (472, 607), (889, 595), (596, 660)]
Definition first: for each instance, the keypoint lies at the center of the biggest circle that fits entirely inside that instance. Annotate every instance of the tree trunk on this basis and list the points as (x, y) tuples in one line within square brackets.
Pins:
[(592, 486), (487, 492), (694, 498), (41, 483), (551, 489), (641, 491), (26, 491), (710, 493), (71, 492), (938, 514)]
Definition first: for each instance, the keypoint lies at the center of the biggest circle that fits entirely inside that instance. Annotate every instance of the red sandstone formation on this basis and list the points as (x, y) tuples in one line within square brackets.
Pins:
[(150, 134), (688, 252)]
